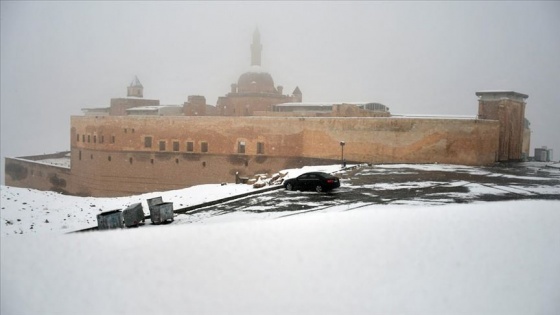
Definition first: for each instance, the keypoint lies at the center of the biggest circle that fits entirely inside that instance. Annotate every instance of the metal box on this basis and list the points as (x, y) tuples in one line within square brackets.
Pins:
[(133, 215), (160, 211), (110, 220), (154, 201)]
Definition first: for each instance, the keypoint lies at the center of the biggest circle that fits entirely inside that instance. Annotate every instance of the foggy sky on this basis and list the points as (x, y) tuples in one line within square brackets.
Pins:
[(415, 57)]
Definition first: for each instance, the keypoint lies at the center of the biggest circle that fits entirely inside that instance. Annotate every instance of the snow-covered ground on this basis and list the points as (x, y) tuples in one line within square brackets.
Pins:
[(479, 258), (29, 211)]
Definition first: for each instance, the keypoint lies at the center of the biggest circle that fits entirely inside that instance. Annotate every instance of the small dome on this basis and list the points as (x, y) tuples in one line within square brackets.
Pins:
[(256, 80)]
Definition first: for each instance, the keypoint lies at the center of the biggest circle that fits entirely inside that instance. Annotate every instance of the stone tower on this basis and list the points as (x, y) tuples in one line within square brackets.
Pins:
[(256, 49), (507, 107), (135, 89), (195, 106), (297, 96)]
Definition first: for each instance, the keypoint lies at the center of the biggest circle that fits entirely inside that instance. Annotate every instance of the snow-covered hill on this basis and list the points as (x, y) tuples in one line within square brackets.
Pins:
[(491, 258), (478, 258), (29, 211)]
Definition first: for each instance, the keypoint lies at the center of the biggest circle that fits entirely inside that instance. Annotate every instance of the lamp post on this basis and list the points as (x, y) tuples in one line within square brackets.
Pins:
[(342, 143)]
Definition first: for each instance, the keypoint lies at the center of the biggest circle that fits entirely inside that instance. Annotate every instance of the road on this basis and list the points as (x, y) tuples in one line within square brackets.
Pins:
[(408, 184)]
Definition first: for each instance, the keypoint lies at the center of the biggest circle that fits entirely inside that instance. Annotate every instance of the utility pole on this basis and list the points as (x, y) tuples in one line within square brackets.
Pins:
[(342, 143)]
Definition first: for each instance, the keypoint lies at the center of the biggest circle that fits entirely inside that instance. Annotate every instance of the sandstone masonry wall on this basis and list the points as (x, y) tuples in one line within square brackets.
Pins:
[(511, 115), (112, 156), (185, 151), (25, 173)]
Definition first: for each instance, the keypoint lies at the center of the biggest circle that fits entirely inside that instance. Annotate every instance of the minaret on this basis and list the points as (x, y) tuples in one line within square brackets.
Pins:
[(256, 49), (135, 89)]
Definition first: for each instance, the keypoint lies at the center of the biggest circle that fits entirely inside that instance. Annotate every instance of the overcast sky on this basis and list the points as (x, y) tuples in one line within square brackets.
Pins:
[(415, 57)]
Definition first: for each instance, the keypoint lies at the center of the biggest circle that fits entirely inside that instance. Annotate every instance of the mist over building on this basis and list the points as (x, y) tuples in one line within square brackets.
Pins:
[(137, 145)]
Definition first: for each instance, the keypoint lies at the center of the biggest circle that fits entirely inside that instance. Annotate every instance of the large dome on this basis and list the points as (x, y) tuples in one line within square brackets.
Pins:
[(256, 80)]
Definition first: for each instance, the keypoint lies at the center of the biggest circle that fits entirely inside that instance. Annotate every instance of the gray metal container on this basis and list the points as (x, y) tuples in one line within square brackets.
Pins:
[(133, 215), (110, 220), (154, 201), (162, 212)]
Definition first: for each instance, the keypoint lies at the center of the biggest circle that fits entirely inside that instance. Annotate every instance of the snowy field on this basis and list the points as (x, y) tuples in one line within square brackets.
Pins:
[(479, 258), (28, 211)]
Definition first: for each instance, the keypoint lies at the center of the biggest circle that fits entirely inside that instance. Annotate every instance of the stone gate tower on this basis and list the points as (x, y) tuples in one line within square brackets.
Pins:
[(507, 107)]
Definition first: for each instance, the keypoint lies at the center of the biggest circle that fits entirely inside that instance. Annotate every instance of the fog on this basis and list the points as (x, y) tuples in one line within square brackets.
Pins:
[(415, 57)]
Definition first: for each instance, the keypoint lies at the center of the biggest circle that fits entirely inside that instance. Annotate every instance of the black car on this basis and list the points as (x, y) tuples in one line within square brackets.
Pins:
[(317, 181)]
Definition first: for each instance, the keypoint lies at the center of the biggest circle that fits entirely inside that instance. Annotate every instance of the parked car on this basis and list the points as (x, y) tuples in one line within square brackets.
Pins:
[(318, 181)]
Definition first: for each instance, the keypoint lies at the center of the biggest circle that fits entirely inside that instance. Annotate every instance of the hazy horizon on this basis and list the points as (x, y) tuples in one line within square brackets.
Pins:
[(415, 57)]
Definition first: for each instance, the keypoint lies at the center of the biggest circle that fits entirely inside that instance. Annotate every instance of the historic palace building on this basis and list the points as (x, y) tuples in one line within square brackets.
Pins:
[(137, 145)]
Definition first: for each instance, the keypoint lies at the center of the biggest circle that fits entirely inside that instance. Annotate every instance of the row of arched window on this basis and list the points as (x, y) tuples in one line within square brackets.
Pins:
[(92, 138)]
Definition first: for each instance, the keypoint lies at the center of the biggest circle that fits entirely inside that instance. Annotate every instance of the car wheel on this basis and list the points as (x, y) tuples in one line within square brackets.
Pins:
[(319, 188), (289, 187)]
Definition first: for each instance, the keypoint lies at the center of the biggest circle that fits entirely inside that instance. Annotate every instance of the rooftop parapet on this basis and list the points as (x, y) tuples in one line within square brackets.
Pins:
[(497, 95)]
